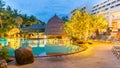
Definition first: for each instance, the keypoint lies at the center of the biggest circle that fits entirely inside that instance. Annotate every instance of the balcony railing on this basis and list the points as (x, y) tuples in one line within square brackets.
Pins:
[(116, 18)]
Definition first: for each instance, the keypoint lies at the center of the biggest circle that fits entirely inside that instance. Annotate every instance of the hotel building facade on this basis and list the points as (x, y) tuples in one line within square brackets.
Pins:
[(111, 10)]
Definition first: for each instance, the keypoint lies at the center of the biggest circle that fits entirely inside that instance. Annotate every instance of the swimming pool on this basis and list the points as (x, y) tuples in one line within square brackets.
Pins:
[(38, 46)]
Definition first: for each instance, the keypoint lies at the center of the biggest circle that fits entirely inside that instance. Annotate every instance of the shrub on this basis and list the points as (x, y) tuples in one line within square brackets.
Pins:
[(4, 53)]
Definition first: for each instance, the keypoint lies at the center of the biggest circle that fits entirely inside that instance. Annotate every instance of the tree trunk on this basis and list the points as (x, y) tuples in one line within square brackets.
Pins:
[(1, 25)]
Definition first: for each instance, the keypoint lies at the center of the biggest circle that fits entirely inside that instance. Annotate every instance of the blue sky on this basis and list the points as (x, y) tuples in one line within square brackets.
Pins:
[(45, 9)]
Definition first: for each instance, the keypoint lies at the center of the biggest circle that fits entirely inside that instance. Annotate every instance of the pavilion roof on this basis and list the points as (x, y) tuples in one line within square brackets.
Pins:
[(35, 26), (54, 26)]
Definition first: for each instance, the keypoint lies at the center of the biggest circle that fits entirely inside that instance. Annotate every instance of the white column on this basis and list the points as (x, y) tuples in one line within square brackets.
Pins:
[(110, 20)]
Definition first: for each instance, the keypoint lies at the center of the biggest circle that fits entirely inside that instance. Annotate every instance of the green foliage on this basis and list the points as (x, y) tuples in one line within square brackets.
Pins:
[(3, 30), (4, 53), (10, 18), (82, 25), (65, 18)]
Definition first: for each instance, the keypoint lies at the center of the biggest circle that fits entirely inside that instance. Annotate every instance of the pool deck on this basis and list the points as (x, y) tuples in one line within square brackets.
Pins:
[(98, 55)]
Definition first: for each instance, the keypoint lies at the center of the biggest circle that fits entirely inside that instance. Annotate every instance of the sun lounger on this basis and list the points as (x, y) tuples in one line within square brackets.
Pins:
[(116, 51)]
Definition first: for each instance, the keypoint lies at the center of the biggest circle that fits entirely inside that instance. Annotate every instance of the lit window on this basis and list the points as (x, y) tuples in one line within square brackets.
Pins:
[(101, 10), (106, 9), (98, 12)]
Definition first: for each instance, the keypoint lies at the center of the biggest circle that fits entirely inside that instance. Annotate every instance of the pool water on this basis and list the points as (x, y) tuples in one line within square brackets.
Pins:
[(38, 48)]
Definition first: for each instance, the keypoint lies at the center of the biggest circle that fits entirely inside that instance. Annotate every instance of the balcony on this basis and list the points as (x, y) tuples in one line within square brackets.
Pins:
[(116, 18)]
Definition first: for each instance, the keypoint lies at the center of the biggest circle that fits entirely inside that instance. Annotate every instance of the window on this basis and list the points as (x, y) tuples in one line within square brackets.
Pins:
[(98, 12), (99, 8), (117, 5), (106, 9), (93, 13), (95, 9), (97, 5), (92, 10), (113, 2), (104, 14), (118, 0), (112, 7), (105, 2), (108, 4), (103, 6)]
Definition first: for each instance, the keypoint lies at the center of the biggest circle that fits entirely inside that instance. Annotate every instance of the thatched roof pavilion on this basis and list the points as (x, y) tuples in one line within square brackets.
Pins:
[(54, 26)]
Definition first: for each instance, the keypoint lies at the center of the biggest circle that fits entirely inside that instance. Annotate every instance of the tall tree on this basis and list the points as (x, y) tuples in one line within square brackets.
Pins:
[(65, 18), (18, 21), (1, 23), (82, 25), (2, 4)]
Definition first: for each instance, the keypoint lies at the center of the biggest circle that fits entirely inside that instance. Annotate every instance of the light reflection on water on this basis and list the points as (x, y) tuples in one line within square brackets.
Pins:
[(40, 47), (17, 42)]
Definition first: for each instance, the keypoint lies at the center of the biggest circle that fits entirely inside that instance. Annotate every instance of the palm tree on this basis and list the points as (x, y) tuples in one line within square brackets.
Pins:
[(32, 20), (25, 19), (18, 20), (2, 4)]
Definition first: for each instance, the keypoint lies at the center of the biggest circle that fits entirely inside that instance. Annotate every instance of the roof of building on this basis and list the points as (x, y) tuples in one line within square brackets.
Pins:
[(54, 26), (35, 26)]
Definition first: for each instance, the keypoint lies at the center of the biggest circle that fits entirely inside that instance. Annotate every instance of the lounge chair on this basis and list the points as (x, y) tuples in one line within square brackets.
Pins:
[(116, 51)]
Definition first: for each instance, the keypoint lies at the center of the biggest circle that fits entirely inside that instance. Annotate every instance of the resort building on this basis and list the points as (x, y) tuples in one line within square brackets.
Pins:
[(73, 11), (34, 31), (111, 10), (55, 33)]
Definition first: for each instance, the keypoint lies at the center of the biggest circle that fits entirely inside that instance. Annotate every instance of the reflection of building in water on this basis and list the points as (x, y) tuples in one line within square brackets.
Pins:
[(58, 42)]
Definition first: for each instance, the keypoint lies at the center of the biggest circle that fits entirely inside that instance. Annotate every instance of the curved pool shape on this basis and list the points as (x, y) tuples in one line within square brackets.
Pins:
[(43, 51), (38, 46)]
